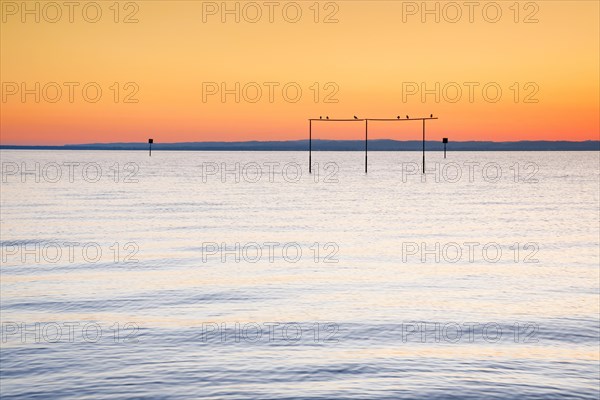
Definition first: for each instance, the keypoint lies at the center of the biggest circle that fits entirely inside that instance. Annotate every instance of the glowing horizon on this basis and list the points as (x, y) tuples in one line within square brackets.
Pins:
[(379, 59)]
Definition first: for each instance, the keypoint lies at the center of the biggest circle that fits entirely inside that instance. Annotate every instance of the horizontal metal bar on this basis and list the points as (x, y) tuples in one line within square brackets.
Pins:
[(373, 119), (400, 119), (319, 119)]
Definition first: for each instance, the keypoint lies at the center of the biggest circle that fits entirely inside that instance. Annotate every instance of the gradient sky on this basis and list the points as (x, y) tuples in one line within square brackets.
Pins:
[(369, 55)]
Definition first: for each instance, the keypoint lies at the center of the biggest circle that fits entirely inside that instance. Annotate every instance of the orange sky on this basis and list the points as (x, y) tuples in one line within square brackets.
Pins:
[(371, 57)]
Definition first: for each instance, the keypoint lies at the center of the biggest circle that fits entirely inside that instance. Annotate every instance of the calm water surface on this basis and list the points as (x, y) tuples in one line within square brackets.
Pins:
[(239, 275)]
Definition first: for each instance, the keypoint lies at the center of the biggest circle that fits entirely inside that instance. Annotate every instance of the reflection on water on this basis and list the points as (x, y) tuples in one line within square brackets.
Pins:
[(238, 275)]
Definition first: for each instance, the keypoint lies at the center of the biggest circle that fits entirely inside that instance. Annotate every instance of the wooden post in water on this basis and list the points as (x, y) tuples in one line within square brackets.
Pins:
[(310, 146), (445, 140), (423, 145), (150, 141), (366, 141)]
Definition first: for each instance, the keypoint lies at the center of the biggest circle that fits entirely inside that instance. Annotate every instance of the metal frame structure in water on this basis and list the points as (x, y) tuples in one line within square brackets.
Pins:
[(366, 120)]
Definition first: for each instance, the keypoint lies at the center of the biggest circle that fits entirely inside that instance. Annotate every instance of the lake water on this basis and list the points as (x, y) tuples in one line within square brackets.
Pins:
[(239, 275)]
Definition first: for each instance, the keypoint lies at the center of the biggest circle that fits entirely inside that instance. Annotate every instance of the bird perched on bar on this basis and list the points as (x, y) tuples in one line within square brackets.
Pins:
[(430, 115), (355, 117), (407, 117), (320, 117), (327, 117), (398, 117)]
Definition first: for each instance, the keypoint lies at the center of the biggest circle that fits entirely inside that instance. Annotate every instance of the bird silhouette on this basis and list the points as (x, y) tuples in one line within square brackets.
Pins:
[(355, 117), (431, 116), (327, 117), (407, 117), (398, 117), (320, 117)]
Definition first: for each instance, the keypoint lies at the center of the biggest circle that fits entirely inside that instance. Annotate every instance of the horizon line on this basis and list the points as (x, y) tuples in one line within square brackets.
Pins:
[(291, 141)]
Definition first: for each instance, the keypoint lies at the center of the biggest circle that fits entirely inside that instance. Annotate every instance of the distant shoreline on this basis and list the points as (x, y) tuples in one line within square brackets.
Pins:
[(328, 145)]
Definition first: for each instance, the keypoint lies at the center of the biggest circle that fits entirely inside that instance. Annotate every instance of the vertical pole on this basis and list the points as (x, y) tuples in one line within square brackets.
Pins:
[(150, 149), (310, 146), (366, 141), (444, 150), (423, 145)]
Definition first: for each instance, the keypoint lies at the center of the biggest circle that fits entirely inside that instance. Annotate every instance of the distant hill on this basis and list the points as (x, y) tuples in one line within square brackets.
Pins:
[(332, 145)]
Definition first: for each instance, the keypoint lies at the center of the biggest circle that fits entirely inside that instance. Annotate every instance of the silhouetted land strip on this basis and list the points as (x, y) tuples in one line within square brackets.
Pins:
[(331, 145)]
